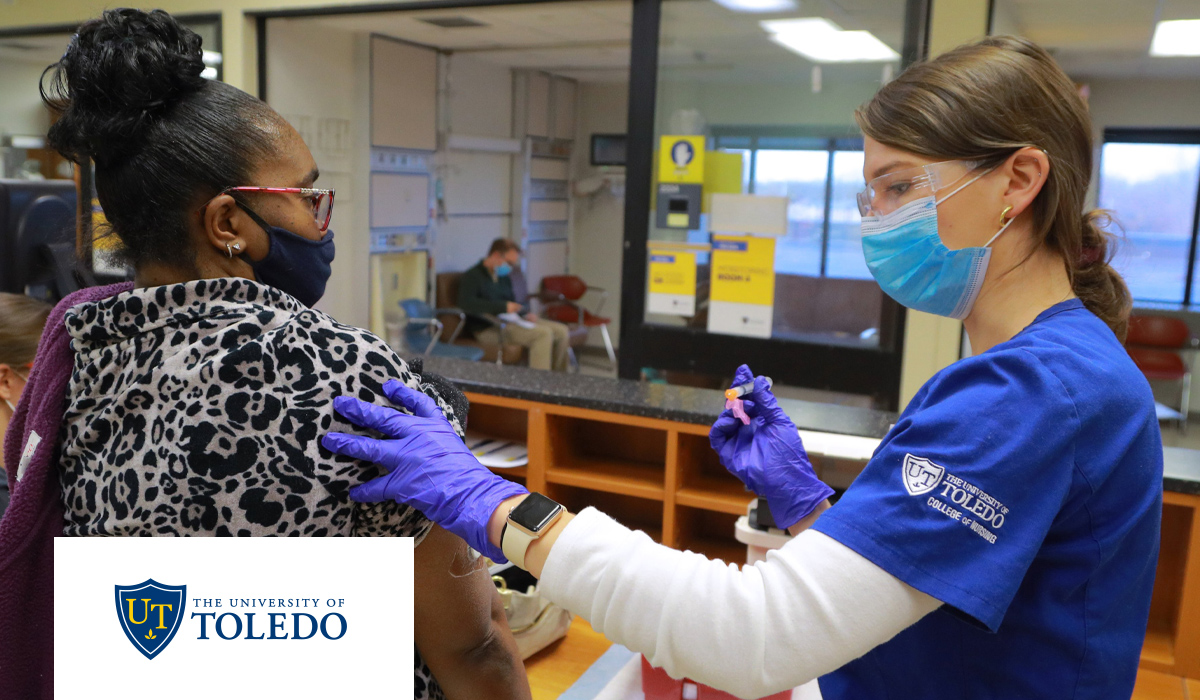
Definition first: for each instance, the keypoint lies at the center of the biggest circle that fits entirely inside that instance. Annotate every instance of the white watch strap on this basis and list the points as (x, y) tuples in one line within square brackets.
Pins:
[(515, 544)]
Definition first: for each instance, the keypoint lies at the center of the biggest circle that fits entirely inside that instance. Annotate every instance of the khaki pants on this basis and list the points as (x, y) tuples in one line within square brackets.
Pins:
[(547, 342)]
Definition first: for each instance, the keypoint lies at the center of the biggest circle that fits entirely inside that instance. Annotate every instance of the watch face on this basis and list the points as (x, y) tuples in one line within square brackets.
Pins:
[(534, 512)]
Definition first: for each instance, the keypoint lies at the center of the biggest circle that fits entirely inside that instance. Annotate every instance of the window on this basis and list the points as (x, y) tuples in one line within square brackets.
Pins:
[(800, 176), (1150, 181), (820, 177)]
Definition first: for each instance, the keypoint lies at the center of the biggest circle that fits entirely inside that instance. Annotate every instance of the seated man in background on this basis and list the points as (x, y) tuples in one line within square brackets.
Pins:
[(487, 288)]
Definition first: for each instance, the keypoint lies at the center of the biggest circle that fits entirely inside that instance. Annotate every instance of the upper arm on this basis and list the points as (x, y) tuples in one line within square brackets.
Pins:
[(461, 629), (454, 597), (358, 363)]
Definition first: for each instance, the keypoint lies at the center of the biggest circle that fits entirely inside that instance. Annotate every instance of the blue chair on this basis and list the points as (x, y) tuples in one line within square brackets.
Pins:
[(423, 329)]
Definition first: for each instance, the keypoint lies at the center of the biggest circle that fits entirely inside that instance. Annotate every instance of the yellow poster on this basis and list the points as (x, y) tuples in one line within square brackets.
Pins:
[(681, 159), (672, 288), (672, 272), (743, 270), (723, 172)]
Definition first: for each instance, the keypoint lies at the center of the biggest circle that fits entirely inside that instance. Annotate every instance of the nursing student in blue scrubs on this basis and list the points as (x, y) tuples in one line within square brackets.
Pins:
[(1001, 542)]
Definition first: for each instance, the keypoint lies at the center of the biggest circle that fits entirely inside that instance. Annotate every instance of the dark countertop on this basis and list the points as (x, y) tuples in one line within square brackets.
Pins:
[(1181, 470), (701, 406), (665, 402)]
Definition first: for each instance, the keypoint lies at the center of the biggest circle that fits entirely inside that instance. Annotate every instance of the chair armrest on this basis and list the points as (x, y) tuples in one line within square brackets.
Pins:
[(437, 334), (603, 297), (462, 320), (494, 320), (501, 325), (436, 327), (574, 305)]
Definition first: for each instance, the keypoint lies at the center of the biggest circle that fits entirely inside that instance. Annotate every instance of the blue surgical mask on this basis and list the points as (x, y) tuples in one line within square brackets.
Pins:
[(294, 264), (911, 264), (504, 270)]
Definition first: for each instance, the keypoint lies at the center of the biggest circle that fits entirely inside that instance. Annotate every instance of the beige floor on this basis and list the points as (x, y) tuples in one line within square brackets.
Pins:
[(1152, 685), (594, 363), (1173, 437)]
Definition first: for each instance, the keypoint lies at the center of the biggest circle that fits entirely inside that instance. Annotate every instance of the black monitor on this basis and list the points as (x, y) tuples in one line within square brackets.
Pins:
[(37, 238), (608, 149)]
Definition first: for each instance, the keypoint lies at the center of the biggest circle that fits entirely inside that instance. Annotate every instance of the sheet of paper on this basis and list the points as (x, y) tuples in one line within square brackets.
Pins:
[(515, 319)]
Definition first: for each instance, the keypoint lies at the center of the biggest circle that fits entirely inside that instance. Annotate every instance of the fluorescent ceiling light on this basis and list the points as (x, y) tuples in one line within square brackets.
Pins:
[(1176, 37), (209, 73), (759, 5), (822, 41), (211, 58)]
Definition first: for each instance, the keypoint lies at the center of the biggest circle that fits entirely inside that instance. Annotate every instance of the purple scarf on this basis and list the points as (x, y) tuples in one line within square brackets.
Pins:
[(35, 513)]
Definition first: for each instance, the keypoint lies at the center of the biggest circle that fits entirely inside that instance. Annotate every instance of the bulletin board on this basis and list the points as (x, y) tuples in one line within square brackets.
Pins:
[(399, 200), (403, 95)]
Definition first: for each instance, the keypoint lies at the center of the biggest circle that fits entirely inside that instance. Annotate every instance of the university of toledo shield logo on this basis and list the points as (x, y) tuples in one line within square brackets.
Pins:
[(921, 475), (150, 614)]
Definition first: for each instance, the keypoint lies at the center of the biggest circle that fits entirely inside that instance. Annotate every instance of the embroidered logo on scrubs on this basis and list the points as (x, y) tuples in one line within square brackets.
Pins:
[(921, 475), (957, 498)]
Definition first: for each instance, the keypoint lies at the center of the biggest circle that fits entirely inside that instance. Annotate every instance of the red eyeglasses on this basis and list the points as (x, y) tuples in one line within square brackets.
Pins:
[(321, 200)]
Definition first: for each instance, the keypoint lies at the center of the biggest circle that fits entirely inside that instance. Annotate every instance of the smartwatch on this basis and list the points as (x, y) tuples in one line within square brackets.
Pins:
[(527, 522)]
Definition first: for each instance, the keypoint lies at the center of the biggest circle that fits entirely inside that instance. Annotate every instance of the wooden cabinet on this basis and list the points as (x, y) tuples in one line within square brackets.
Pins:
[(655, 475), (1173, 634)]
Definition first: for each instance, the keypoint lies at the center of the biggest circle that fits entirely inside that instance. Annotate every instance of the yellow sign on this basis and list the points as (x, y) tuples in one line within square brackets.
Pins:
[(672, 283), (743, 270), (672, 272), (681, 159), (723, 172)]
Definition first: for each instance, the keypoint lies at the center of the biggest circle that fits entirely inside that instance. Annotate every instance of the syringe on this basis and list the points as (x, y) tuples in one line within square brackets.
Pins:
[(741, 390)]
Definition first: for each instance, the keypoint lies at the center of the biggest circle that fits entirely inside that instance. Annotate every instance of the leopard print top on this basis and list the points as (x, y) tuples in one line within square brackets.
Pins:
[(197, 409)]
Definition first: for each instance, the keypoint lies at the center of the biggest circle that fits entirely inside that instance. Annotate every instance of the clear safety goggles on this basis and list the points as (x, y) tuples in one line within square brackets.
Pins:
[(887, 193)]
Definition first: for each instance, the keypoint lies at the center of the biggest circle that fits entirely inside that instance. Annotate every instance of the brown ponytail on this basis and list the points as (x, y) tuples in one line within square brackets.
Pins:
[(1094, 280), (984, 101)]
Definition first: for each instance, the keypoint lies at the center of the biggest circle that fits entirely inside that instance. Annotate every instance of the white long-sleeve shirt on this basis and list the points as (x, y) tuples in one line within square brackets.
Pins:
[(811, 607)]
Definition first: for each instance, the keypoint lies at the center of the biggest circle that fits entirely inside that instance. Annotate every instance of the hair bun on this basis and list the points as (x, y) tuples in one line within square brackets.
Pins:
[(120, 71)]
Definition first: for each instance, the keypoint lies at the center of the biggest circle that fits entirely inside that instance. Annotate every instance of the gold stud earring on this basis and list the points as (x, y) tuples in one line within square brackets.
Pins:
[(1004, 214)]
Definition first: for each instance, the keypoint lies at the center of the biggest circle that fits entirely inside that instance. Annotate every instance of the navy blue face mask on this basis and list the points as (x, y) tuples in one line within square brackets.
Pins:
[(294, 264)]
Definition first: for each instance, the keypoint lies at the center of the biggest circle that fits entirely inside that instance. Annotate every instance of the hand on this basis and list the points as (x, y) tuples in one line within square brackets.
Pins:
[(513, 307), (429, 467), (767, 455), (532, 318)]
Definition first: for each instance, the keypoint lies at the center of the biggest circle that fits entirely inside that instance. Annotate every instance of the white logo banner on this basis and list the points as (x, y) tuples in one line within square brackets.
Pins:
[(210, 617)]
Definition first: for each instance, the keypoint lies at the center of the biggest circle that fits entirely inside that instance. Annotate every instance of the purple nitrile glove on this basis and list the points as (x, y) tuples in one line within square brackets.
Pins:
[(767, 455), (429, 467)]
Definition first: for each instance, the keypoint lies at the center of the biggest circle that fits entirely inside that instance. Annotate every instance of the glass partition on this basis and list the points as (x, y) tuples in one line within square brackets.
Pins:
[(771, 97)]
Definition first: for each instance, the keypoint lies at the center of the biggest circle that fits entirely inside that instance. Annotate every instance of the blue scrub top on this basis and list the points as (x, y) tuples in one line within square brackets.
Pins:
[(1021, 487)]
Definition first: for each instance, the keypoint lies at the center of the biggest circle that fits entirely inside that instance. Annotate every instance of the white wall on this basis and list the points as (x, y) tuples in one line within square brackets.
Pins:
[(477, 185), (317, 79), (598, 221), (752, 104), (1144, 102), (21, 110)]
